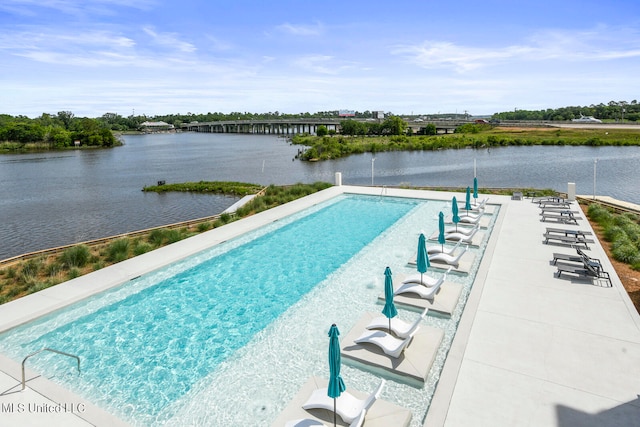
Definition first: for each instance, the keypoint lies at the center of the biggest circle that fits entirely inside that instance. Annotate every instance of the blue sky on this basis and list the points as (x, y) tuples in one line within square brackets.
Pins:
[(158, 57)]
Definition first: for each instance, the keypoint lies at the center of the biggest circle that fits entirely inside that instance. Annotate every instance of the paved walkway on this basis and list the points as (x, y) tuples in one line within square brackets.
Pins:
[(531, 349), (535, 350)]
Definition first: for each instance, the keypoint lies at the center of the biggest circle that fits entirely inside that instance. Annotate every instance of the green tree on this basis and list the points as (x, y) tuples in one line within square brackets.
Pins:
[(430, 129), (58, 137), (322, 130), (394, 126), (66, 118), (349, 127)]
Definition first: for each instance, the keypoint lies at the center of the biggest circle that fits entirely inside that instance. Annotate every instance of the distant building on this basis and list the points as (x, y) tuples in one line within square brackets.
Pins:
[(346, 113), (156, 127), (378, 114)]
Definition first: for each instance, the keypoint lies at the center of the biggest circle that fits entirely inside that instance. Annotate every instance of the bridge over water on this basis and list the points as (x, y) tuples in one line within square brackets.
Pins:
[(310, 126), (271, 126), (299, 126)]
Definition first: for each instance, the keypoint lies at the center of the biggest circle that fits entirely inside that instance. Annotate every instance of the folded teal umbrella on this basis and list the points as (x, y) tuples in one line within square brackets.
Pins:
[(454, 210), (423, 258), (389, 309), (475, 190), (441, 238), (467, 203), (336, 385)]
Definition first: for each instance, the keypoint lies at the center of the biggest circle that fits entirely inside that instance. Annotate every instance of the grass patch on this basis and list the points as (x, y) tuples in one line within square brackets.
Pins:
[(466, 136), (215, 187)]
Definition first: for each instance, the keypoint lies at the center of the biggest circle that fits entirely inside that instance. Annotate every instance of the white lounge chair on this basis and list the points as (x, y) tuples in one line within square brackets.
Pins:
[(478, 208), (400, 328), (464, 238), (447, 258), (462, 230), (308, 422), (391, 345), (480, 205), (441, 249), (348, 407), (422, 291), (424, 280), (470, 219)]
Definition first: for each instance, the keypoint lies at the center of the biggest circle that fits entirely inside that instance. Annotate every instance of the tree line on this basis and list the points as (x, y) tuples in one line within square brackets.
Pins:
[(612, 111), (120, 123), (64, 129), (56, 131)]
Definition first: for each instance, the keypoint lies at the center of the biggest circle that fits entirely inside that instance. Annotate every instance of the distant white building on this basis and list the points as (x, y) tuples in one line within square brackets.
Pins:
[(378, 114), (156, 126), (586, 119)]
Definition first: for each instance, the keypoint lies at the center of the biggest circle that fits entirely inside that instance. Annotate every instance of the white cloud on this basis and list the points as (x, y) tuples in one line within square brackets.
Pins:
[(71, 7), (316, 29), (218, 44), (169, 40), (316, 63), (595, 45), (460, 58)]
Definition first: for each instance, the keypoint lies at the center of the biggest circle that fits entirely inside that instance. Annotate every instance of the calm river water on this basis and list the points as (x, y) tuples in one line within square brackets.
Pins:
[(58, 198)]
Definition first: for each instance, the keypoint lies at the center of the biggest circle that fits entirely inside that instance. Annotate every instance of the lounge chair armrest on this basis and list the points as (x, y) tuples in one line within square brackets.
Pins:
[(376, 394)]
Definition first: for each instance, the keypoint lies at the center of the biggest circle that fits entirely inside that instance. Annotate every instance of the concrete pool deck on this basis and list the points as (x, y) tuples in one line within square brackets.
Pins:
[(531, 349)]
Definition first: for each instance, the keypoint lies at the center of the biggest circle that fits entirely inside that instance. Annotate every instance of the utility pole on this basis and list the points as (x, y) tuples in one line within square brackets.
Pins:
[(373, 159), (595, 163)]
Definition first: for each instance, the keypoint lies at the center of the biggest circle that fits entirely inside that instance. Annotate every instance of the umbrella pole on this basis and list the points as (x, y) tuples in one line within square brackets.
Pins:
[(389, 325), (334, 412)]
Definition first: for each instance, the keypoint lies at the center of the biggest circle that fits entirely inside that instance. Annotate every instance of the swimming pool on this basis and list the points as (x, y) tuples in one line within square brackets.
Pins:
[(274, 339)]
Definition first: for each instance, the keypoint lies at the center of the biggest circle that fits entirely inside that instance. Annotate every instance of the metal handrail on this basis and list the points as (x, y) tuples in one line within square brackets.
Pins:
[(40, 351)]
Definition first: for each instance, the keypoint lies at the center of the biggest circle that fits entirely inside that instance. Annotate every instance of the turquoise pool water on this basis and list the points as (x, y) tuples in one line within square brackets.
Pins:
[(146, 345)]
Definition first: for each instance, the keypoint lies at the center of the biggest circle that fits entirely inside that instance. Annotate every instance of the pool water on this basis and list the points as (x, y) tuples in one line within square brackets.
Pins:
[(254, 386), (162, 343)]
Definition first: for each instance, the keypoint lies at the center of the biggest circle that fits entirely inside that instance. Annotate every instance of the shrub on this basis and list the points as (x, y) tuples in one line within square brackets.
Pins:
[(173, 236), (118, 250), (75, 256), (30, 270), (204, 226), (15, 291), (141, 247), (156, 237), (613, 233), (73, 273), (622, 240), (627, 253), (599, 213), (53, 269)]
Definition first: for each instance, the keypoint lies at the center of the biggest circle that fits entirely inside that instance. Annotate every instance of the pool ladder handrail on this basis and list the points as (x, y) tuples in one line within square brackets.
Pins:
[(40, 351)]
